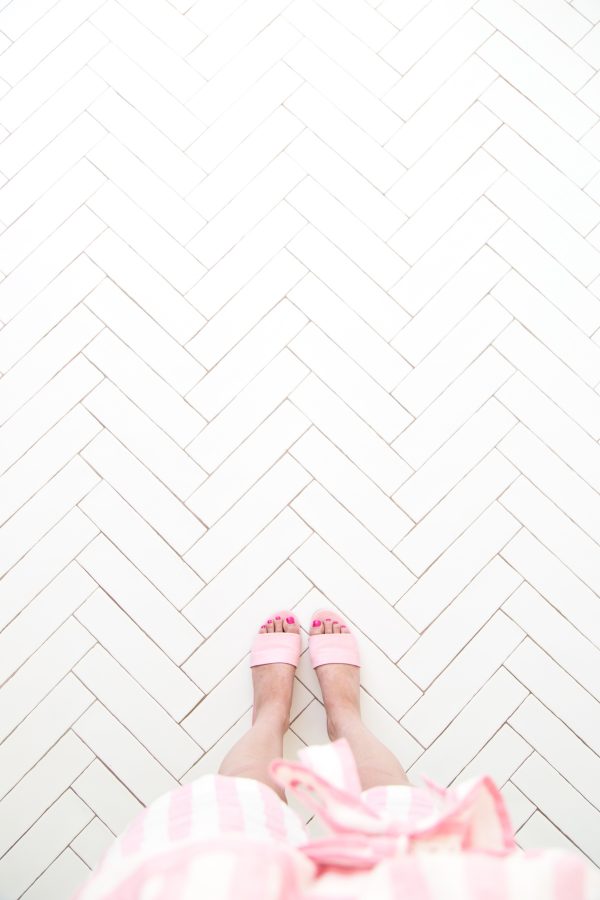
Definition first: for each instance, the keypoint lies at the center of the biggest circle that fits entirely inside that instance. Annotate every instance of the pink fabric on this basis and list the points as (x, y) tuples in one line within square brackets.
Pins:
[(233, 839)]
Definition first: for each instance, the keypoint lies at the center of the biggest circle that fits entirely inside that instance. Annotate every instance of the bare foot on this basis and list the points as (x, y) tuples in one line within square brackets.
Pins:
[(339, 681), (274, 682)]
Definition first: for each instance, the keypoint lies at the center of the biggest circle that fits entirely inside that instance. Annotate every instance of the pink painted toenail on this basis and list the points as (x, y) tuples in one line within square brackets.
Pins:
[(335, 622), (316, 623), (290, 620), (269, 621), (277, 617), (328, 620)]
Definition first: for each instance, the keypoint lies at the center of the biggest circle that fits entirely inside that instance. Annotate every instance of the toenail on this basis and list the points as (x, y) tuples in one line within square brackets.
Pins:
[(277, 617), (316, 623), (290, 620), (328, 620), (269, 621), (335, 622)]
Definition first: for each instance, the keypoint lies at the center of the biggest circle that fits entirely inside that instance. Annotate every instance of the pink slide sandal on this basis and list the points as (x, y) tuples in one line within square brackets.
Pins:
[(281, 647), (332, 648)]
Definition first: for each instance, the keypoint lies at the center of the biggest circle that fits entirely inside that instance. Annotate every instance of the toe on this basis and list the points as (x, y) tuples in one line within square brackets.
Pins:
[(317, 626), (335, 627), (270, 626), (328, 628), (262, 629), (290, 624), (278, 623), (344, 630)]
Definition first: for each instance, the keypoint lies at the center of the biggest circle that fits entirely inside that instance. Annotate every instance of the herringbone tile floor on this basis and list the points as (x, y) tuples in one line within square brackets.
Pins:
[(300, 301)]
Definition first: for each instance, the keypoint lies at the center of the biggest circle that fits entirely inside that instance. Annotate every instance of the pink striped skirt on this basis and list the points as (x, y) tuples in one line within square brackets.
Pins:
[(224, 838)]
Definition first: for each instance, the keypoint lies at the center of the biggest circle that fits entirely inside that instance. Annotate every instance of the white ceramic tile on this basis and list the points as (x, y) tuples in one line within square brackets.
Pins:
[(299, 306)]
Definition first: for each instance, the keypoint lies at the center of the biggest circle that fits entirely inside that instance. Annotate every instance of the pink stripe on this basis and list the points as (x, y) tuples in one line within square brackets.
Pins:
[(231, 817), (407, 880), (275, 821), (570, 878), (132, 841), (181, 809), (486, 876)]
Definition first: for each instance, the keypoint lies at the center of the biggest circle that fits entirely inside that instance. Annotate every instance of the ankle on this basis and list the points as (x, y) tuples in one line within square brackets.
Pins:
[(342, 720), (272, 715)]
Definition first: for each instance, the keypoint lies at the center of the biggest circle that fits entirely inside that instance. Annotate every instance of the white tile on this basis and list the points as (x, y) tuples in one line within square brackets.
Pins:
[(248, 159), (268, 337), (63, 876), (144, 387), (424, 30), (347, 185), (447, 256), (358, 148), (146, 189), (554, 581), (554, 478), (140, 656), (528, 77), (123, 754), (50, 258), (245, 259), (41, 787), (354, 597), (471, 728), (351, 487), (537, 41), (539, 832), (439, 63), (42, 844), (343, 88), (554, 529), (248, 409), (146, 441), (465, 675), (567, 646), (441, 110), (44, 510), (142, 490), (342, 46), (248, 463), (42, 617), (137, 711), (435, 478), (150, 290), (247, 66), (452, 515), (559, 746), (252, 512), (244, 574), (443, 158), (348, 379), (546, 274), (139, 599), (147, 237), (93, 842), (347, 232), (328, 518), (456, 403), (441, 211), (107, 796), (571, 812), (147, 95), (557, 691), (459, 622), (559, 17), (177, 31), (546, 227), (500, 757), (147, 142), (348, 281), (265, 587), (141, 544), (42, 672), (519, 808), (350, 433), (239, 121), (443, 581), (523, 116)]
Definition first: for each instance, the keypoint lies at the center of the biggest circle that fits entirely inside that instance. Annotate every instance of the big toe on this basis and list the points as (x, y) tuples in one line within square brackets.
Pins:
[(289, 622)]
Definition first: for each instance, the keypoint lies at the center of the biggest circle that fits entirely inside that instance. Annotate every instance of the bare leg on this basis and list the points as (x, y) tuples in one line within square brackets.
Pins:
[(340, 688), (273, 685)]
